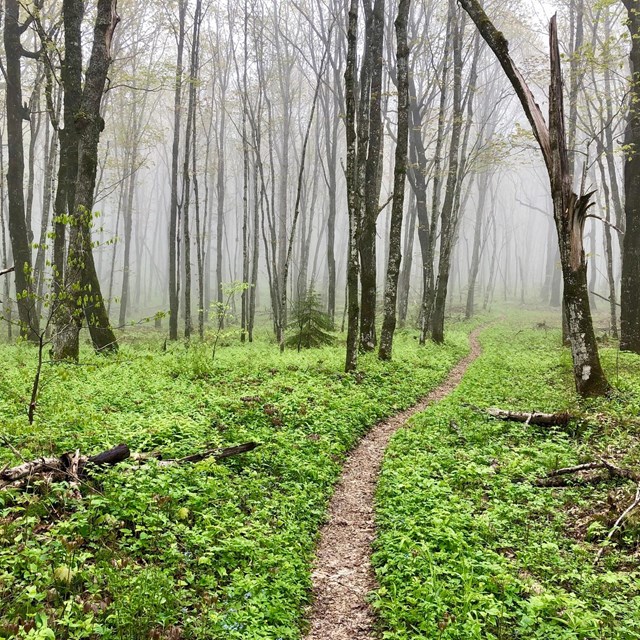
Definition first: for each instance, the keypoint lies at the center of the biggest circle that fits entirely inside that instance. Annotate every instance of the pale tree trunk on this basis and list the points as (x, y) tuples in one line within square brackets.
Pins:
[(569, 209), (608, 251), (483, 186), (6, 302), (51, 152), (399, 176), (404, 283), (296, 212)]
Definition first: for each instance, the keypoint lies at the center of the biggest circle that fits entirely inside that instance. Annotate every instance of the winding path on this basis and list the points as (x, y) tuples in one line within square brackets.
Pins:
[(342, 575)]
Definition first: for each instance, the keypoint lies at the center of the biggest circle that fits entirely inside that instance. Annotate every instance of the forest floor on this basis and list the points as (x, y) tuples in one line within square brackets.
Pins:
[(469, 543)]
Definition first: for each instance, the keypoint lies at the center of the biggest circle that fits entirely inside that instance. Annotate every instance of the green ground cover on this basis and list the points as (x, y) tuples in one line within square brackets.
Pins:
[(210, 550), (469, 547)]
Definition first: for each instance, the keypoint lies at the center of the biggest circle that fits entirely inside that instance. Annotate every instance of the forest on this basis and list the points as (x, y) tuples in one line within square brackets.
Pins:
[(320, 319)]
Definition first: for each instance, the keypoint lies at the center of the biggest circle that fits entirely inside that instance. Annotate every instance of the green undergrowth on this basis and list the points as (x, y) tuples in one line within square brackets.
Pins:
[(469, 547), (206, 550)]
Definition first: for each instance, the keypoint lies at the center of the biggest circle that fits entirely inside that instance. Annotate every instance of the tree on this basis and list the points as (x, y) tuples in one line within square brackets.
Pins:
[(19, 234), (82, 295), (399, 176), (353, 190), (174, 269), (310, 325), (630, 291), (569, 209)]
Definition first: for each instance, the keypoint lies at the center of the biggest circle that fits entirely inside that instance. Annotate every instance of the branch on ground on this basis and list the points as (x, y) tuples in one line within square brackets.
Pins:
[(560, 419), (72, 467)]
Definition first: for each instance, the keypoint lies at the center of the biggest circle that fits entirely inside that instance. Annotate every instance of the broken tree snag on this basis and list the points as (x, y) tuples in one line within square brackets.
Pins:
[(569, 209), (560, 419)]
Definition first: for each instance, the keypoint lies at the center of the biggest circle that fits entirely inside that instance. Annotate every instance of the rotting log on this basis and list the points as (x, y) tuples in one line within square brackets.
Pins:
[(72, 466), (560, 419)]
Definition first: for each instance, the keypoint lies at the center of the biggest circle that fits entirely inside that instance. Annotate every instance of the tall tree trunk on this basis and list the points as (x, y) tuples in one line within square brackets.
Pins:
[(404, 283), (82, 288), (18, 231), (353, 191), (630, 291), (399, 175), (483, 186), (449, 215), (371, 186), (174, 292)]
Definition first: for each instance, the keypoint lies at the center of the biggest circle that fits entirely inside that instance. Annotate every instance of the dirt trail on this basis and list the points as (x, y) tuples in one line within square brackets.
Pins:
[(342, 575)]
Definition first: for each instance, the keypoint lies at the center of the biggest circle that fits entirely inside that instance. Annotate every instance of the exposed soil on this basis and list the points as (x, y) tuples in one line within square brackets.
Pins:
[(342, 575)]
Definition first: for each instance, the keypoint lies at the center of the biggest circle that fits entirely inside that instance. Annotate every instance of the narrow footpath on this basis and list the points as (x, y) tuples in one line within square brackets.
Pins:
[(342, 575)]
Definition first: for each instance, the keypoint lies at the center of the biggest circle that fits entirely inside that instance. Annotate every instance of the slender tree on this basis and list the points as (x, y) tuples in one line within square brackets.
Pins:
[(399, 176)]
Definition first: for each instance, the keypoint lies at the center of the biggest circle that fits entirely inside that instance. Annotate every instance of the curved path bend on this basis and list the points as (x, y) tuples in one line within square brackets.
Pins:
[(342, 575)]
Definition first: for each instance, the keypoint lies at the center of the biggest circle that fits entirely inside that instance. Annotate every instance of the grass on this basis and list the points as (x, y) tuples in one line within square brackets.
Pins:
[(209, 550), (469, 547)]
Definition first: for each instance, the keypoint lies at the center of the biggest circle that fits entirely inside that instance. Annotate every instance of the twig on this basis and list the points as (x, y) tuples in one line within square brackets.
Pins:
[(5, 271), (618, 523)]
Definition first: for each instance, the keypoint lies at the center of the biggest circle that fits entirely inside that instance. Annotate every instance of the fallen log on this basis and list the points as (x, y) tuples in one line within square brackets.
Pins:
[(560, 419), (73, 466)]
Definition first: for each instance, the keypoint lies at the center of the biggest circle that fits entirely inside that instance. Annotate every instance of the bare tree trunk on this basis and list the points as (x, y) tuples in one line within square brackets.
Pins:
[(483, 186), (82, 288), (174, 291), (371, 186), (630, 291), (404, 283), (449, 215), (353, 191), (19, 233), (608, 250), (399, 175)]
